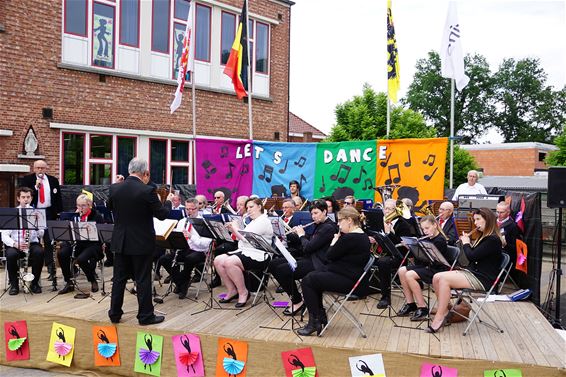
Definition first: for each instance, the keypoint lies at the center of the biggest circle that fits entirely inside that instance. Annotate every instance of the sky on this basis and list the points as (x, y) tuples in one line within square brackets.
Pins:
[(337, 46)]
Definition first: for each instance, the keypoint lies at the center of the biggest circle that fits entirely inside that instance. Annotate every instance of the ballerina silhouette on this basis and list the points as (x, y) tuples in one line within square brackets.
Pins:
[(15, 334), (101, 36), (102, 336), (437, 373), (294, 360), (364, 368), (61, 335), (187, 345)]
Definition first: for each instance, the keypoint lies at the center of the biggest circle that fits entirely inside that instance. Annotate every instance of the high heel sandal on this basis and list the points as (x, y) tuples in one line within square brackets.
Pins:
[(445, 322), (290, 312), (227, 300)]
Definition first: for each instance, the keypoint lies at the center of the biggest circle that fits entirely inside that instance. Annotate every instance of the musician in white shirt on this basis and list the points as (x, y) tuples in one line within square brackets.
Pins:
[(231, 268), (18, 242), (192, 256), (176, 202), (472, 187)]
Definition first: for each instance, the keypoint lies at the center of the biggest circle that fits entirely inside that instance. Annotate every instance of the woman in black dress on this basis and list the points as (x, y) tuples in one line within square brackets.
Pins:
[(347, 256), (484, 254)]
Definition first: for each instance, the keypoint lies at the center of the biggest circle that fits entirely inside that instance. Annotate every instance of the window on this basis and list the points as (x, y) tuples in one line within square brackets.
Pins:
[(541, 156), (202, 33), (179, 151), (129, 22), (160, 26), (126, 151), (181, 10), (102, 35), (75, 17), (262, 48), (73, 159), (100, 174), (178, 36), (228, 33), (101, 146), (179, 161), (158, 160)]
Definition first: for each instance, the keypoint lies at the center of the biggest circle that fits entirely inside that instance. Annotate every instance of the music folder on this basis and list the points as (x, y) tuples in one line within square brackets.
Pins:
[(257, 242)]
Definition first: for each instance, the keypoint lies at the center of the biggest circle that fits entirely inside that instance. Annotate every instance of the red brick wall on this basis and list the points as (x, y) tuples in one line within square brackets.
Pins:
[(30, 50), (507, 162)]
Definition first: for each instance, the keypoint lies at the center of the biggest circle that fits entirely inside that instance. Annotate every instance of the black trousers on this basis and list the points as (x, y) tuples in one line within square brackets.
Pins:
[(385, 265), (138, 266), (86, 256), (190, 259), (286, 277), (317, 282), (35, 261)]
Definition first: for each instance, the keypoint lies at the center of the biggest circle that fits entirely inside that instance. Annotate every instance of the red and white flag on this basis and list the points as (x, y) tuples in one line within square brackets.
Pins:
[(187, 61)]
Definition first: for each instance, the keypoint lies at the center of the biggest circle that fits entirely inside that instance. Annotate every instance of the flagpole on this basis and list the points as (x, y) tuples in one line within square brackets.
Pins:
[(193, 76), (250, 120), (451, 132), (388, 116)]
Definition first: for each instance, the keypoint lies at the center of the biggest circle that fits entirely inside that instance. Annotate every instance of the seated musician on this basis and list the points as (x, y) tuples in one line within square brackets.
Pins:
[(295, 190), (413, 218), (395, 228), (447, 223), (241, 205), (202, 203), (86, 252), (218, 206), (19, 241), (231, 266), (484, 254), (350, 201), (298, 203), (332, 204), (293, 242), (410, 275), (314, 251), (347, 256), (471, 187), (176, 202), (193, 255)]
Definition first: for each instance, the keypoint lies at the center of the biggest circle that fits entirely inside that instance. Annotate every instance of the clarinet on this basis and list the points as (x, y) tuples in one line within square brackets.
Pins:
[(27, 277)]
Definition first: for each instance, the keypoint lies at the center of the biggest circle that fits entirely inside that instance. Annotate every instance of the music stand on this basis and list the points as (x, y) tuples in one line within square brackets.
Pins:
[(176, 241), (70, 232), (374, 219), (105, 235)]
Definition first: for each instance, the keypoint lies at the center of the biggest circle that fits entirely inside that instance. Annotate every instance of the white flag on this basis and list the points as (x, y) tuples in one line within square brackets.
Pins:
[(186, 61), (451, 56)]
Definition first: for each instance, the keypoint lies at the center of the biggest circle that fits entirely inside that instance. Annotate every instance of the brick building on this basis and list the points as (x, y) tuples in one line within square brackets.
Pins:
[(301, 131), (93, 80), (510, 159)]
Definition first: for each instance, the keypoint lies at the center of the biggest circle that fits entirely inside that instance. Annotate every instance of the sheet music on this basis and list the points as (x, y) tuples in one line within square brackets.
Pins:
[(34, 218), (286, 254), (239, 220), (256, 241), (434, 254), (278, 227), (85, 231)]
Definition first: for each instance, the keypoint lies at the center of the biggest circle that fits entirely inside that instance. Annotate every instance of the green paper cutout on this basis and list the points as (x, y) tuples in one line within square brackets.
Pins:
[(503, 373), (157, 345), (15, 344)]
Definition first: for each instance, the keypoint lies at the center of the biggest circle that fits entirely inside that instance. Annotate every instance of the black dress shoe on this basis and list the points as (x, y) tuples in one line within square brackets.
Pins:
[(407, 309), (420, 315), (314, 325), (176, 289), (167, 280), (14, 290), (242, 304), (69, 287), (94, 286), (35, 288), (280, 290), (384, 302), (226, 300), (290, 312), (152, 321), (115, 320), (183, 289)]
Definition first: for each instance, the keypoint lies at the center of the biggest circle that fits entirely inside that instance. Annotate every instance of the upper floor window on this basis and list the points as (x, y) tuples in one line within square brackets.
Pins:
[(228, 33), (129, 22), (103, 35), (75, 17), (262, 48), (181, 10), (160, 26), (202, 33)]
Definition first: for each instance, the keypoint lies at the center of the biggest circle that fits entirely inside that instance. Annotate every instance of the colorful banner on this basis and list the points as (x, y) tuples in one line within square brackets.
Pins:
[(299, 363), (415, 165), (105, 345), (61, 344), (188, 355), (367, 365), (432, 370), (149, 349), (16, 340), (276, 164), (345, 169), (232, 356), (224, 165)]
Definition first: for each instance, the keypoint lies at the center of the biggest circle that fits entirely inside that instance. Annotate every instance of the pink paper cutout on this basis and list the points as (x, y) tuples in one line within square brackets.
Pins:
[(428, 370), (183, 346)]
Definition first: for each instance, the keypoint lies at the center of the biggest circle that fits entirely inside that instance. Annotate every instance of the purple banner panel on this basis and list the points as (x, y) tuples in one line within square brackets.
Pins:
[(224, 165)]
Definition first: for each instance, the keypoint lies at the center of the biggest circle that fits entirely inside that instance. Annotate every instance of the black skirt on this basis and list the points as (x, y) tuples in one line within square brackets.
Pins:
[(251, 264)]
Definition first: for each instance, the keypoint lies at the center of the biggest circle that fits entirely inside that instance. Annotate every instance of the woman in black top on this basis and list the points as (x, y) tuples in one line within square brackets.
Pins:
[(484, 254), (347, 256), (314, 255), (410, 275)]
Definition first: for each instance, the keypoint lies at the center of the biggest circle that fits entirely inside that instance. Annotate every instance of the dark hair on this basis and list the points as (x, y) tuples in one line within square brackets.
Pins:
[(293, 182), (335, 204), (23, 189), (256, 201), (319, 204)]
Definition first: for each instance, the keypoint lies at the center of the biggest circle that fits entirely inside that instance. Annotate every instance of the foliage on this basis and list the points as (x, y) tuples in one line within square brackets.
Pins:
[(463, 163), (365, 118), (527, 111), (558, 157), (429, 94)]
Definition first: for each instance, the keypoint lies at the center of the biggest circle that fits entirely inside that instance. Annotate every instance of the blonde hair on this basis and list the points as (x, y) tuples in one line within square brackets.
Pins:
[(350, 213)]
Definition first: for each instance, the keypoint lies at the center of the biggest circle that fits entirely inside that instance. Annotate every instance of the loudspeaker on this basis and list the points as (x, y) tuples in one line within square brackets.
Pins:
[(556, 187)]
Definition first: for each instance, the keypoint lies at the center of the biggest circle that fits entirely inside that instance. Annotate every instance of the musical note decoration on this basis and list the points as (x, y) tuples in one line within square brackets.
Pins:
[(396, 177), (284, 168), (359, 178), (267, 173), (430, 160), (209, 168), (341, 177), (408, 163), (322, 186), (231, 166), (301, 162), (224, 151)]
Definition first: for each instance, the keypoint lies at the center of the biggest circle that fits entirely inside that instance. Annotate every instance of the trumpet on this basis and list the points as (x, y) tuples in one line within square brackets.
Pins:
[(227, 205), (293, 230)]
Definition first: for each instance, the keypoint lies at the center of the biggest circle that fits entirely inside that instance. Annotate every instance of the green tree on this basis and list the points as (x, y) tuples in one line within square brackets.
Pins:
[(364, 118), (527, 109), (463, 163), (429, 94), (558, 157)]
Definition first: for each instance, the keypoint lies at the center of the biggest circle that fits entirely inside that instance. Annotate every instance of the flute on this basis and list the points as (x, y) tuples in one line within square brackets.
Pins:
[(304, 226)]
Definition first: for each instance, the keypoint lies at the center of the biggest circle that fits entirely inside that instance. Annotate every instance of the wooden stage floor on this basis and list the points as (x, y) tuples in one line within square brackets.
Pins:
[(527, 339)]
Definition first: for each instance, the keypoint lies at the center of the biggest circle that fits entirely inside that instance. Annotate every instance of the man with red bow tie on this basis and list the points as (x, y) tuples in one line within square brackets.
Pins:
[(446, 221)]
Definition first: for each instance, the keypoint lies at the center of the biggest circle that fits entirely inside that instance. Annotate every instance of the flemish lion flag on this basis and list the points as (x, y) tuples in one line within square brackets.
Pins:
[(237, 65), (393, 81)]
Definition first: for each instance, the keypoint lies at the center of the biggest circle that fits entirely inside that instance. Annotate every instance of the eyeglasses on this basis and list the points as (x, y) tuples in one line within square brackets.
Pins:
[(348, 203), (217, 197), (443, 209), (200, 203)]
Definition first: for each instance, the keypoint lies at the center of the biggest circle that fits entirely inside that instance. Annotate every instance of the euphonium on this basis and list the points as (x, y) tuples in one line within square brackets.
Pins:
[(426, 210), (227, 205), (401, 210)]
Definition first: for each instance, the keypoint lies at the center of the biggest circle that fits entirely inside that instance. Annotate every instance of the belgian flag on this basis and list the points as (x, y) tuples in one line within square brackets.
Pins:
[(237, 65)]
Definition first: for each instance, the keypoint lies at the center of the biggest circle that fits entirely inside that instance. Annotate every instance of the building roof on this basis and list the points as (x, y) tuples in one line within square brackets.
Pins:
[(532, 183), (297, 127), (526, 145)]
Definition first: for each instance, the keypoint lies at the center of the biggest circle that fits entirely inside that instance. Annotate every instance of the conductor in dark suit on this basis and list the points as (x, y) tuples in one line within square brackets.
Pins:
[(134, 204), (46, 194)]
